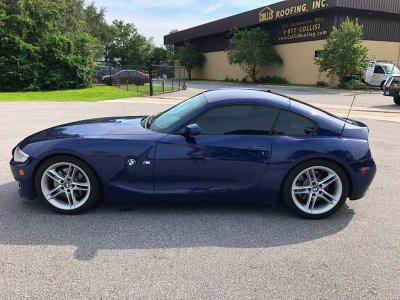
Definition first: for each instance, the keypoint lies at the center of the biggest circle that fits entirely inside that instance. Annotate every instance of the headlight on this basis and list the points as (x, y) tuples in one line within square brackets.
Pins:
[(20, 156)]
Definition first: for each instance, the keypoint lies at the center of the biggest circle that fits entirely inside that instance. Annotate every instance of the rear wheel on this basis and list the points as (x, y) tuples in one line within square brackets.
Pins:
[(67, 185), (316, 189), (397, 100), (382, 85)]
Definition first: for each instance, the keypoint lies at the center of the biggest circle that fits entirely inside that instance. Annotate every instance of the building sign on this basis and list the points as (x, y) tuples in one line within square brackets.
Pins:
[(300, 30), (268, 14)]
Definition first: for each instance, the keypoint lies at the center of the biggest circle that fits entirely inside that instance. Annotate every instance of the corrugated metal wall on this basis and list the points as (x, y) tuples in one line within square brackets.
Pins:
[(376, 27), (389, 6), (383, 23)]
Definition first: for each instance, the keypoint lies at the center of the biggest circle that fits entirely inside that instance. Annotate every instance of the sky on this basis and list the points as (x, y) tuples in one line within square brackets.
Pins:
[(157, 17)]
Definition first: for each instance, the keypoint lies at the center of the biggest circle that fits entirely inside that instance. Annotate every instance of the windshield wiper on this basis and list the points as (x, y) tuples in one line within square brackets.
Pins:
[(150, 120)]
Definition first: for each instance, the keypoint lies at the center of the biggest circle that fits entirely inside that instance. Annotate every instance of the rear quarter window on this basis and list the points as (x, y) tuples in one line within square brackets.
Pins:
[(395, 84), (292, 124)]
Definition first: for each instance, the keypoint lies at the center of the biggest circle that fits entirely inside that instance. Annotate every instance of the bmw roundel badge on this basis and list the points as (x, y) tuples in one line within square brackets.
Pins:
[(131, 162)]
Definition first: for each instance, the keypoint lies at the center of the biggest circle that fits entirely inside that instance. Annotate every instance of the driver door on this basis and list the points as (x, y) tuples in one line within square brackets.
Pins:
[(231, 153)]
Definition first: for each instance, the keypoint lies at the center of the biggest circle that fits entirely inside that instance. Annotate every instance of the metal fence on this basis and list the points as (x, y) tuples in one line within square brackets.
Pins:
[(154, 79), (167, 78)]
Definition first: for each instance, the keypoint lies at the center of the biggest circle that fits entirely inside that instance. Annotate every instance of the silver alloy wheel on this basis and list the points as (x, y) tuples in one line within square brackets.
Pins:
[(317, 190), (65, 185)]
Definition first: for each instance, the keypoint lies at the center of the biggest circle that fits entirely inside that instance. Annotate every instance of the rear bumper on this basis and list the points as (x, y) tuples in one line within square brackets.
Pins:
[(361, 181), (391, 93)]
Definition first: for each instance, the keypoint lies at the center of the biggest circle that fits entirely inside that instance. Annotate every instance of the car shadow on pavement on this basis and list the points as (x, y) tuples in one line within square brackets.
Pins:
[(156, 226)]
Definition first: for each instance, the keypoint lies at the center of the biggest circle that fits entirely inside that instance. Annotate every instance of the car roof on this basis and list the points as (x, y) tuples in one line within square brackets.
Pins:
[(247, 96)]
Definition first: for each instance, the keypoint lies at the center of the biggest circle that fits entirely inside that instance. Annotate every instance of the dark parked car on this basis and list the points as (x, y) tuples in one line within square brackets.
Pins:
[(229, 145), (392, 88), (127, 77), (102, 72)]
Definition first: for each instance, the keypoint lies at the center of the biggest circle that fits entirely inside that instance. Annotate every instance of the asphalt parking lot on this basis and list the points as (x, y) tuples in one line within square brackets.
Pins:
[(196, 251)]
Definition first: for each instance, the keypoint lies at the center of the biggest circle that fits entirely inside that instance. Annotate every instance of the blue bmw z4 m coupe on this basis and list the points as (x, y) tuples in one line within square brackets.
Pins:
[(237, 145)]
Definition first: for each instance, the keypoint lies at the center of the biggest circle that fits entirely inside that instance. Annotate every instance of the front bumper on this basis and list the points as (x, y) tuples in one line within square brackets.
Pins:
[(25, 182)]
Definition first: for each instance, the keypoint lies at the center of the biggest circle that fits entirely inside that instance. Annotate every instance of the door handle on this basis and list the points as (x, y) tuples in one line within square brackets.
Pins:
[(258, 150)]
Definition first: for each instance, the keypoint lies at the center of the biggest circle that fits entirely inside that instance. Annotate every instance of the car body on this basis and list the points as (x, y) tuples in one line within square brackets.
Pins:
[(392, 88), (381, 73), (191, 150), (104, 71), (126, 77)]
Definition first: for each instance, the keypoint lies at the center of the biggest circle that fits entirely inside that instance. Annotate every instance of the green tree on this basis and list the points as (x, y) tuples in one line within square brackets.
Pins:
[(344, 54), (98, 28), (140, 50), (121, 34), (159, 56), (190, 57), (251, 50), (171, 55), (128, 45)]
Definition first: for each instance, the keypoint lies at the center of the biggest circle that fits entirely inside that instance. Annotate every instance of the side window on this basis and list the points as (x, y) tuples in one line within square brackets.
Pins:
[(291, 124), (238, 120), (395, 84), (379, 70)]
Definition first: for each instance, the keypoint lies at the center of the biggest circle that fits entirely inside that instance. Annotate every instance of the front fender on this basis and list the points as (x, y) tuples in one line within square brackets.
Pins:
[(107, 158)]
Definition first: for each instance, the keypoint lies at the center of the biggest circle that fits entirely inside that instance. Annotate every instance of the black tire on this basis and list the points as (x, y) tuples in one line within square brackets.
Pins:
[(287, 188), (95, 186), (382, 85), (397, 100)]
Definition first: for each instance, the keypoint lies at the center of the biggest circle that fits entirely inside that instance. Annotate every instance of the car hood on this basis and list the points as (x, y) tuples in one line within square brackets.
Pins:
[(94, 128)]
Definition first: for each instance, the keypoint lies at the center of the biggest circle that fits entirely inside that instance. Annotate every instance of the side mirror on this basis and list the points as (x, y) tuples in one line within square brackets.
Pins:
[(193, 130)]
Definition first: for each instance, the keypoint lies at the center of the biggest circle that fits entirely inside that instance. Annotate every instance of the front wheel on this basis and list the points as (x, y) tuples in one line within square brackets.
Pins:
[(397, 100), (316, 189), (67, 185)]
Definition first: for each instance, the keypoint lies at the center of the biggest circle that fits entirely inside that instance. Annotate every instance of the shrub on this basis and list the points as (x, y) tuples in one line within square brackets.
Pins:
[(353, 85), (36, 55), (227, 78), (244, 79), (322, 83), (272, 79)]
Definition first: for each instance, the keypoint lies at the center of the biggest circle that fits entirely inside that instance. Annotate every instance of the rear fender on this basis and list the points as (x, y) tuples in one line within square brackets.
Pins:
[(355, 129)]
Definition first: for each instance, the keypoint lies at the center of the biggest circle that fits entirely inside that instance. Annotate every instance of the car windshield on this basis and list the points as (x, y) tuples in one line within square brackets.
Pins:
[(390, 68), (162, 122)]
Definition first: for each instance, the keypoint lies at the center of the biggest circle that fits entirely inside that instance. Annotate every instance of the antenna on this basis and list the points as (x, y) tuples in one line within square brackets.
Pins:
[(348, 115)]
